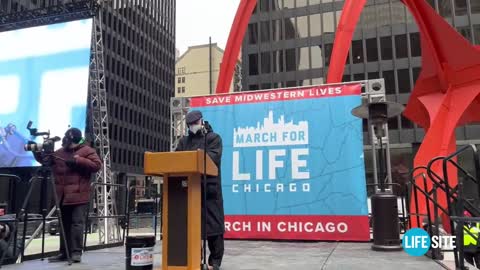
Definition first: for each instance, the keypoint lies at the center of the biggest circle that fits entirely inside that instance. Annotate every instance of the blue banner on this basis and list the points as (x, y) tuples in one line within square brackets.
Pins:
[(290, 153)]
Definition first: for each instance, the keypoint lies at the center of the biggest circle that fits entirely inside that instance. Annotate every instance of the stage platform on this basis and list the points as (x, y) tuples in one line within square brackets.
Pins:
[(252, 255)]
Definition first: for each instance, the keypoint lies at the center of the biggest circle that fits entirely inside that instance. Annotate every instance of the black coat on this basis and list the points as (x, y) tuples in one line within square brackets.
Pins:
[(215, 215)]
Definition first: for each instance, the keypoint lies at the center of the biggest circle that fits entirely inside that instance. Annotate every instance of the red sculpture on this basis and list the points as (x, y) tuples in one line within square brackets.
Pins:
[(446, 94), (234, 43)]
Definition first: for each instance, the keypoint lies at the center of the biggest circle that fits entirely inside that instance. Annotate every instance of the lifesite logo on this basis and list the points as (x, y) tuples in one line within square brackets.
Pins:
[(417, 242)]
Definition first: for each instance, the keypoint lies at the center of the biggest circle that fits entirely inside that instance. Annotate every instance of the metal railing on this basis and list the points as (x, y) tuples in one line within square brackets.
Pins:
[(96, 217), (457, 204), (157, 205)]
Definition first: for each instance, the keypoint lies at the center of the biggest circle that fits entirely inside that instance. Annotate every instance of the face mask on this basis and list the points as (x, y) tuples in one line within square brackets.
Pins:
[(195, 128)]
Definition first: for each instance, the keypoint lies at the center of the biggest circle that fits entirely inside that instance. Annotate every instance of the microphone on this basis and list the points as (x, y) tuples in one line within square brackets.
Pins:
[(204, 127)]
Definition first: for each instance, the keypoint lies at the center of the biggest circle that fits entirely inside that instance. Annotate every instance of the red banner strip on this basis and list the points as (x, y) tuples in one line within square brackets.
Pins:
[(328, 228), (325, 91)]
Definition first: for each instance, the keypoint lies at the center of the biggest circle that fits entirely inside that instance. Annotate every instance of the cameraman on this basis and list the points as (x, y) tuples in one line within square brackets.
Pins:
[(72, 166)]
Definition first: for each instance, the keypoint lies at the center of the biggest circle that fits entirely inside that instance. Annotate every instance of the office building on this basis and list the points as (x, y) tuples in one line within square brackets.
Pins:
[(139, 57), (197, 71)]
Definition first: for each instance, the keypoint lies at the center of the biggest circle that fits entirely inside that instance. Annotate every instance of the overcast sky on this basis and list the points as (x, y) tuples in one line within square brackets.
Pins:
[(199, 19)]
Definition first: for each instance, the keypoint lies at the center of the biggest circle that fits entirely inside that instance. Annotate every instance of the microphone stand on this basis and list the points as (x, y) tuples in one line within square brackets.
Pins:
[(204, 194)]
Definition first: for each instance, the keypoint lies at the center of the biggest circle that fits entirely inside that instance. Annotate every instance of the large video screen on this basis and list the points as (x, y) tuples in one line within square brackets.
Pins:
[(44, 75)]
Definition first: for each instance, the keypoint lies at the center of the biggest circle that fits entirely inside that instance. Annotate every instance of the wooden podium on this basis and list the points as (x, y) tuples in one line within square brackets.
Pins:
[(181, 220)]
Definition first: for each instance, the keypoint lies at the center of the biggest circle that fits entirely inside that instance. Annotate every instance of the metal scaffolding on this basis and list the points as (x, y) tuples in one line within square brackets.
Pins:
[(108, 229), (178, 110), (15, 14)]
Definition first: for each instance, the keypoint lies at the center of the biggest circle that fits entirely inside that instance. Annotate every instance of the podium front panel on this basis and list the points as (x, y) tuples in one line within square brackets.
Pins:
[(177, 222)]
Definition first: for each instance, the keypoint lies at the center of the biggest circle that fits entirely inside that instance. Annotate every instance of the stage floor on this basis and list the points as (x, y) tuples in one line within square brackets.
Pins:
[(252, 255)]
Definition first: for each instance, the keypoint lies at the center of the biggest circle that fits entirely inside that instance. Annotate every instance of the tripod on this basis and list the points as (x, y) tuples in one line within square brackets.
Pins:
[(43, 174)]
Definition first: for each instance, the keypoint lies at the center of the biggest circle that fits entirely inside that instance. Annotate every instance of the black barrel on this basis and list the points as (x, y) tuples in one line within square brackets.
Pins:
[(140, 252), (386, 225)]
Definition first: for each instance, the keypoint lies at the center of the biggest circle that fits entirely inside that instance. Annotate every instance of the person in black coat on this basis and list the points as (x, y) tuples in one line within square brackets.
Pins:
[(195, 140)]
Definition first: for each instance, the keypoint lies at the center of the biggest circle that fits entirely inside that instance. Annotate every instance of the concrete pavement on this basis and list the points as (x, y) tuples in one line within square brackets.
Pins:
[(253, 255)]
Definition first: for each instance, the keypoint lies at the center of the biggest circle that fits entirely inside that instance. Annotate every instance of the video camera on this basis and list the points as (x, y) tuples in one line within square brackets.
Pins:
[(44, 149)]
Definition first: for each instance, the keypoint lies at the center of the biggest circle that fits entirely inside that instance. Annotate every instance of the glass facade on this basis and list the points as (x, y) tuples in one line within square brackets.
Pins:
[(386, 45)]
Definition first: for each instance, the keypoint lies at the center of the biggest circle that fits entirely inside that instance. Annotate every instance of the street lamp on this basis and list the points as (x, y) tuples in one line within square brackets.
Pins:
[(386, 231)]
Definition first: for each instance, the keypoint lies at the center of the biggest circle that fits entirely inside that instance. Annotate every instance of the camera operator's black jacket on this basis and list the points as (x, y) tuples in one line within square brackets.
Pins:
[(215, 213), (73, 183)]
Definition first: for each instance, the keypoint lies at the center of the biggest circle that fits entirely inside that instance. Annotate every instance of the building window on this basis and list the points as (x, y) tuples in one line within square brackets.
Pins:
[(358, 77), (265, 31), (401, 46), (372, 50), (460, 7), (389, 78), (357, 51), (266, 86), (302, 26), (291, 83), (288, 3), (403, 81), (181, 71), (290, 60), (253, 64), (253, 33), (406, 124), (276, 5), (183, 89), (386, 48), (289, 26), (373, 75), (264, 5), (328, 22), (316, 56), (475, 6), (415, 44), (315, 24), (415, 73), (303, 58), (317, 81), (277, 30), (183, 79), (179, 80), (393, 123), (278, 61), (328, 53), (445, 8), (265, 62), (253, 87), (301, 3)]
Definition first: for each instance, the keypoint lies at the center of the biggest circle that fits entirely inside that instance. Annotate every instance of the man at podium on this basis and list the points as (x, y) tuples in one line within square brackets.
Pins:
[(201, 136)]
